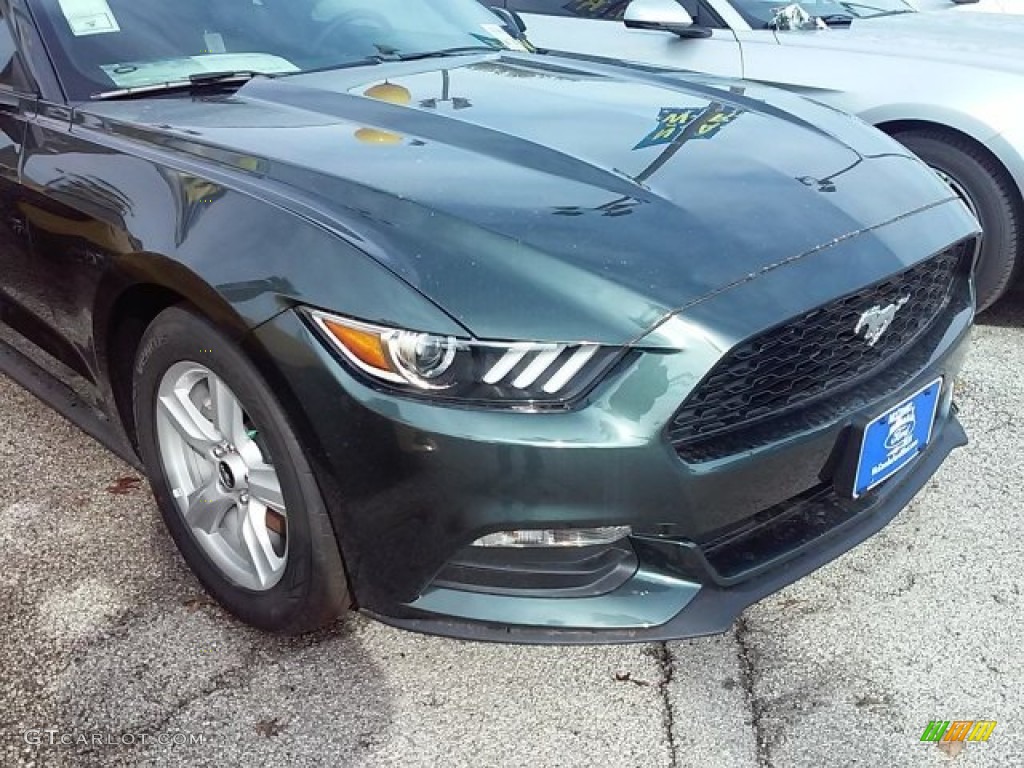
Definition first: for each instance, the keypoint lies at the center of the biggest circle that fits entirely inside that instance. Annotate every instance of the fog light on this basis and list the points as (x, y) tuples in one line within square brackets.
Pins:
[(569, 537)]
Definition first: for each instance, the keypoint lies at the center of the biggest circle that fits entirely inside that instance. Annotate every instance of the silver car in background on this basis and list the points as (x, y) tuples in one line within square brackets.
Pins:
[(947, 85), (971, 6)]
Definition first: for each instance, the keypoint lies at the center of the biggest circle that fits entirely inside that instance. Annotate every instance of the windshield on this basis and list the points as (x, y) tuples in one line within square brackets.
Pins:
[(761, 13), (104, 45)]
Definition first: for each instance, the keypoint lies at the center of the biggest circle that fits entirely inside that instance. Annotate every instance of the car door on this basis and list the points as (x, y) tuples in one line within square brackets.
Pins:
[(741, 45), (35, 293), (595, 27), (59, 227), (20, 306)]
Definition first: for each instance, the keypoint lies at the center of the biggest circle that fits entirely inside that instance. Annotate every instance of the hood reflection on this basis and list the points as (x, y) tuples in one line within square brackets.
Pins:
[(392, 94)]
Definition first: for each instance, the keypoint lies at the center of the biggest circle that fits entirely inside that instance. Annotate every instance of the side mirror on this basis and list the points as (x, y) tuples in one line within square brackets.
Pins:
[(662, 16), (512, 22)]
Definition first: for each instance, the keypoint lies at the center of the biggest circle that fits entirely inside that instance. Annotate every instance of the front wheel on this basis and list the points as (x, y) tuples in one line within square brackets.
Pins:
[(987, 190), (231, 479)]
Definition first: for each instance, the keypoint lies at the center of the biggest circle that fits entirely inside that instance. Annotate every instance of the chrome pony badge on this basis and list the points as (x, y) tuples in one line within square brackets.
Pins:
[(876, 321)]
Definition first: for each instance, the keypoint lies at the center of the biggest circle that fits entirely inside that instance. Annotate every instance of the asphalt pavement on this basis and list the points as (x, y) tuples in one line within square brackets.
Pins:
[(111, 654)]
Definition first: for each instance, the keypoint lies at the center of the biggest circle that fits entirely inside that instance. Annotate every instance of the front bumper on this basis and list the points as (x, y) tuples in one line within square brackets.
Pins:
[(411, 485), (670, 583)]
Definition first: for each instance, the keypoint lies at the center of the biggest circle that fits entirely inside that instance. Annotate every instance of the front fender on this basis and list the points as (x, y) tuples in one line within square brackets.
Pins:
[(225, 239)]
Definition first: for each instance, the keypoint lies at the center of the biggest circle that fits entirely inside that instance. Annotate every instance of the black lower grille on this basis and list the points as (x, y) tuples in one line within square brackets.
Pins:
[(776, 533), (817, 354)]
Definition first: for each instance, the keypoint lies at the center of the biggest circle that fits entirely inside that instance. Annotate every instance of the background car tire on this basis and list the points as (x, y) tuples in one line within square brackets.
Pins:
[(992, 196), (312, 588)]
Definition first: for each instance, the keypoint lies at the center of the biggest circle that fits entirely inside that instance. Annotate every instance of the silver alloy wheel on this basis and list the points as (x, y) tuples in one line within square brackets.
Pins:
[(961, 192), (226, 490)]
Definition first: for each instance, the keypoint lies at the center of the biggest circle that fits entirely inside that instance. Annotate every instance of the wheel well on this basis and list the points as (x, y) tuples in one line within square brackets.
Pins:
[(895, 127), (129, 318)]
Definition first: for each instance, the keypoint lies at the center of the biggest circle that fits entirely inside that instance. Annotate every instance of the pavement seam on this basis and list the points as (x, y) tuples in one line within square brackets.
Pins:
[(667, 666), (758, 709), (234, 678), (230, 679)]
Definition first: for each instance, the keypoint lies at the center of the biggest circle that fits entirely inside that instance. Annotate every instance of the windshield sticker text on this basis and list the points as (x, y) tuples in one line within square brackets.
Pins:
[(89, 17)]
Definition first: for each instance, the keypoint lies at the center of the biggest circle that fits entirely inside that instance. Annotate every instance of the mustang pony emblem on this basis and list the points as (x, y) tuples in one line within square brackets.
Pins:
[(876, 321)]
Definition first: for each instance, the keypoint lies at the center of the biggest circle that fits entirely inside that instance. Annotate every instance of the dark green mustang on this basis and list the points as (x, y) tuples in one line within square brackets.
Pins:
[(399, 314)]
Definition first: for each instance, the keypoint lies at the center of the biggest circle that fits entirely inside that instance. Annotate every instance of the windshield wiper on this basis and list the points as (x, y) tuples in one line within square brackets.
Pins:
[(393, 55), (852, 6), (388, 54), (193, 82)]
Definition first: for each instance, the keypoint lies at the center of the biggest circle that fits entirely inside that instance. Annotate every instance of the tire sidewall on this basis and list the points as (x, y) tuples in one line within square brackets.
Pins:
[(996, 266), (178, 335)]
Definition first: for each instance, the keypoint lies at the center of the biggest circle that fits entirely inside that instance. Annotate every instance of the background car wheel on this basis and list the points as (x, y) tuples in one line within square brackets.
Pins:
[(990, 194), (231, 479)]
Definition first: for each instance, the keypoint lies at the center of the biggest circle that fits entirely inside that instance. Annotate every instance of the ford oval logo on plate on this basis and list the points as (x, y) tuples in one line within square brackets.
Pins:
[(894, 439)]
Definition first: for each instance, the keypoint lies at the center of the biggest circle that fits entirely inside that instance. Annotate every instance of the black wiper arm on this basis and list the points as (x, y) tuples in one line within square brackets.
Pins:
[(368, 61), (459, 51), (388, 54), (229, 77), (194, 81)]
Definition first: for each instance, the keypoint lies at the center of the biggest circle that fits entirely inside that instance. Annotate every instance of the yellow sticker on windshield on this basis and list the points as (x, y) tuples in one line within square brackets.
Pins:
[(89, 17)]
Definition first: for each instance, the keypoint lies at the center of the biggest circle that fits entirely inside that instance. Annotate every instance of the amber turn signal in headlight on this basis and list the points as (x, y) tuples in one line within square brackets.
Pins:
[(461, 369)]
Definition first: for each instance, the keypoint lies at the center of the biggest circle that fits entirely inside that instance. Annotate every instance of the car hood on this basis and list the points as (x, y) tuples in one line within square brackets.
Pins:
[(990, 41), (546, 198)]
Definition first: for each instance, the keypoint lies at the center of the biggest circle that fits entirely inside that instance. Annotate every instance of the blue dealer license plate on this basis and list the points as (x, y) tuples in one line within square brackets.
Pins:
[(895, 438)]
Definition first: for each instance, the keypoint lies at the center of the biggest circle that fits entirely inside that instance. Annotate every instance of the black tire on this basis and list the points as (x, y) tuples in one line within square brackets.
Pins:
[(313, 590), (993, 196)]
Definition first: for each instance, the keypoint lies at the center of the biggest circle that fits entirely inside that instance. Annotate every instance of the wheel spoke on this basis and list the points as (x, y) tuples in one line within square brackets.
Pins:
[(226, 491), (249, 451), (188, 422), (207, 508), (265, 487), (263, 560), (227, 411)]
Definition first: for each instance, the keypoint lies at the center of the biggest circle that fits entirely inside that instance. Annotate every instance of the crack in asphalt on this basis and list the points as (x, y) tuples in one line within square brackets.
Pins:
[(244, 673), (758, 708), (229, 680), (667, 667)]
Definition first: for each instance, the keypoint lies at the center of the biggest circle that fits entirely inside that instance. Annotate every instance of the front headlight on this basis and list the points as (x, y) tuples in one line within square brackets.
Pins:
[(450, 368)]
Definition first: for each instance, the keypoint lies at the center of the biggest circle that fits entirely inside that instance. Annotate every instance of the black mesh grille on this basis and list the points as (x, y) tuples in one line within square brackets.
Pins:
[(816, 354)]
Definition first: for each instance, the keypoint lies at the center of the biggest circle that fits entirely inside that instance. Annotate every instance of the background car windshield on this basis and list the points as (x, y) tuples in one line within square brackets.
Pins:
[(760, 13), (102, 45)]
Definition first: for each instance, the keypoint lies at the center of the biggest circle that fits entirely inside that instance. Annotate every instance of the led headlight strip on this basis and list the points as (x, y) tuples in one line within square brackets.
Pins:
[(541, 358), (454, 368)]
